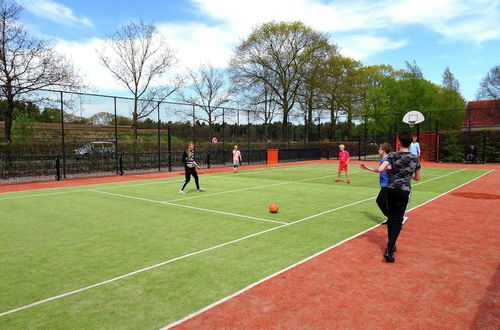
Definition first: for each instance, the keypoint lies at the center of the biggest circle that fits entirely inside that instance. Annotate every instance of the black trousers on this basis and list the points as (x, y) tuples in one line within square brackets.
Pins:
[(398, 202), (188, 172), (382, 201)]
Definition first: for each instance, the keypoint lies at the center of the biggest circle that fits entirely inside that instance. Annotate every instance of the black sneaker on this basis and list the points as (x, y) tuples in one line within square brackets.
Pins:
[(389, 257)]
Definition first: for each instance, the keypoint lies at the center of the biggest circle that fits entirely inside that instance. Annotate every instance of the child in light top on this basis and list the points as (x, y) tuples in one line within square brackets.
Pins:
[(236, 159), (343, 163)]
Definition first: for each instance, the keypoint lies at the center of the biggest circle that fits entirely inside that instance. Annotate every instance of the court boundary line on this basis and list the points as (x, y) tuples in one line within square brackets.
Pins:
[(114, 279), (168, 181), (188, 207), (252, 188), (221, 301)]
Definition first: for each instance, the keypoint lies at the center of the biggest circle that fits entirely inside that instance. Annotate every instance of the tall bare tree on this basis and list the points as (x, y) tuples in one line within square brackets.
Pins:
[(489, 88), (207, 89), (138, 56), (28, 63), (281, 50)]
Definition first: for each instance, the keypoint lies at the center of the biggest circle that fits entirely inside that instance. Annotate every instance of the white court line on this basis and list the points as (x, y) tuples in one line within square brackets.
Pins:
[(164, 181), (188, 207), (196, 253), (190, 316), (251, 188)]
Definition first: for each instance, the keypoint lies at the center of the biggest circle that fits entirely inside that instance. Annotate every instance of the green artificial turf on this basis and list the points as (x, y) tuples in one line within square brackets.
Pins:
[(56, 241)]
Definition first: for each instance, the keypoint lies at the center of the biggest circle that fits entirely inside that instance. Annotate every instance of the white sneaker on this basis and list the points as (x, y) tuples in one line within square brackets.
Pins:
[(182, 192), (201, 190), (404, 219)]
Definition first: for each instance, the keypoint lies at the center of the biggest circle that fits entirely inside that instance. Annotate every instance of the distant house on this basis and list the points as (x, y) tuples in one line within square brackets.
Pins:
[(482, 115)]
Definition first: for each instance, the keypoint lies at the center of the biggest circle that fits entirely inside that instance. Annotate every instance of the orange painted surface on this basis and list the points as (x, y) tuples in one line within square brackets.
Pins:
[(272, 156), (446, 276)]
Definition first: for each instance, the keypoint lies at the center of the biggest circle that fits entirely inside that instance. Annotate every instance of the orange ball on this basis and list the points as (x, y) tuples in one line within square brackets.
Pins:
[(273, 208)]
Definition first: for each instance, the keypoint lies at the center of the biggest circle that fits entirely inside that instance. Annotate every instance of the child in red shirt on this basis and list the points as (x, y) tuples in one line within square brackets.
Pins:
[(343, 162)]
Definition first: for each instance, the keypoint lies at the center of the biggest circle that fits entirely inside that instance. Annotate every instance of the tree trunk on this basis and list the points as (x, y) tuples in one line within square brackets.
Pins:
[(284, 128), (333, 126), (8, 120), (134, 121), (349, 124), (309, 123)]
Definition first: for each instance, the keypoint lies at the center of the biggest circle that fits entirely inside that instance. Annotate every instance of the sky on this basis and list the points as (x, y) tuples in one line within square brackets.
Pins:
[(463, 35)]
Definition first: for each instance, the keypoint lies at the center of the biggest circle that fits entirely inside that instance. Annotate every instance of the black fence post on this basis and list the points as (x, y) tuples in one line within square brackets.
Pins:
[(365, 136), (430, 131), (237, 123), (63, 138), (484, 147), (116, 139), (208, 160), (468, 126), (158, 139), (194, 125), (58, 168), (120, 162), (248, 137), (169, 147), (359, 147), (437, 141)]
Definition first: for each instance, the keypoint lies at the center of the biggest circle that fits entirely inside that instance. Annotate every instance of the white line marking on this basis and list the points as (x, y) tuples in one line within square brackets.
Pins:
[(430, 200), (202, 251), (189, 207), (151, 182), (190, 316), (252, 188), (262, 280)]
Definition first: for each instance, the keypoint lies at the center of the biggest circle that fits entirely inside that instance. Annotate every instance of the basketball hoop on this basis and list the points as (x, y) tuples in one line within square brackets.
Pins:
[(413, 117)]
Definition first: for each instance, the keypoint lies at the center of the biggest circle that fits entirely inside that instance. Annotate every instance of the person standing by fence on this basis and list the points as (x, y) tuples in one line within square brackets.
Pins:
[(236, 159), (415, 146)]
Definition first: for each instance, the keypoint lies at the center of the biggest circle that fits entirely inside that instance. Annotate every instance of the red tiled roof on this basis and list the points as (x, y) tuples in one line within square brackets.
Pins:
[(482, 113)]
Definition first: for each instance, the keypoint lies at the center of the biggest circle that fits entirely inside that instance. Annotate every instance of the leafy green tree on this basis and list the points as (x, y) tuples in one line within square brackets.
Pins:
[(338, 89), (277, 54), (23, 126), (50, 115)]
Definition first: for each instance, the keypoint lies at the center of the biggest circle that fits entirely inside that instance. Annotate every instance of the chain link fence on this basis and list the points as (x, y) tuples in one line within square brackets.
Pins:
[(67, 135)]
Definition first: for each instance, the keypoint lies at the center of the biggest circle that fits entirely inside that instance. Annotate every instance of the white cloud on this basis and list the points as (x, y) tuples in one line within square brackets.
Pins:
[(361, 28), (363, 46), (86, 61), (55, 12)]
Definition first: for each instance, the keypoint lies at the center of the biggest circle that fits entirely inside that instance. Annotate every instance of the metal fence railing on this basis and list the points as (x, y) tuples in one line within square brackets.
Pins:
[(18, 169), (90, 134)]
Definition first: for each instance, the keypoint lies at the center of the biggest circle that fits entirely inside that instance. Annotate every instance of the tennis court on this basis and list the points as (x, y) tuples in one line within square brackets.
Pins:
[(138, 255)]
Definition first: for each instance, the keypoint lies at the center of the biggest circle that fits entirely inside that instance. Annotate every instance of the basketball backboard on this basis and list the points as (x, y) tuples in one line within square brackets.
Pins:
[(413, 117)]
